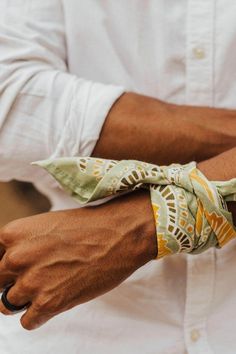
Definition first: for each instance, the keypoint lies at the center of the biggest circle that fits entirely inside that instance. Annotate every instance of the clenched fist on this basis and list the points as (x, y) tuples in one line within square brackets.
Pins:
[(58, 260)]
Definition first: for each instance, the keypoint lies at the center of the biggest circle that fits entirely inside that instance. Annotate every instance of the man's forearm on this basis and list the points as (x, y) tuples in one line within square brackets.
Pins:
[(221, 167), (147, 129), (97, 255)]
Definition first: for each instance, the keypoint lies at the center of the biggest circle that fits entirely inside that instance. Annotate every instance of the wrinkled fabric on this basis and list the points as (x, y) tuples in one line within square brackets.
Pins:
[(177, 51)]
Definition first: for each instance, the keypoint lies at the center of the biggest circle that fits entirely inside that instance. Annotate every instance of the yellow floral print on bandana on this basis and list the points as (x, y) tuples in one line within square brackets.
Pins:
[(190, 212)]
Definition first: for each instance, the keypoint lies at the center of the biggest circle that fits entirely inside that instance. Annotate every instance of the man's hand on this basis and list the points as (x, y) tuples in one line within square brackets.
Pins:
[(61, 259)]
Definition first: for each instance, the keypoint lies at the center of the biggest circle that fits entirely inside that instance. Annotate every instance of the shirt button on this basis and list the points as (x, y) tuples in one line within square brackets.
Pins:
[(199, 53), (195, 335)]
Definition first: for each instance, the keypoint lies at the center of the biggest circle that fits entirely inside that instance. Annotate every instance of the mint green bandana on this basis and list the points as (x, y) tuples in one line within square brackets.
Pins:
[(190, 212)]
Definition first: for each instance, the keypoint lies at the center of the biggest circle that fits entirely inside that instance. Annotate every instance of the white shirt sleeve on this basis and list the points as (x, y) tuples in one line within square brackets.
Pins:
[(44, 110)]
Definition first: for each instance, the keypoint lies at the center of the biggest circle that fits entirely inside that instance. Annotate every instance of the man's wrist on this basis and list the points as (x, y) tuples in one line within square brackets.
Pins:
[(221, 168), (142, 231)]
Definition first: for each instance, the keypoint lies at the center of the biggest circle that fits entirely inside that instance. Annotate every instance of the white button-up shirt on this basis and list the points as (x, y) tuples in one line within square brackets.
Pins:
[(62, 66)]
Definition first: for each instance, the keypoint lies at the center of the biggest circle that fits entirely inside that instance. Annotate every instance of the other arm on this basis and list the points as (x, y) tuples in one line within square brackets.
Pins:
[(78, 260), (44, 110), (146, 129), (47, 112)]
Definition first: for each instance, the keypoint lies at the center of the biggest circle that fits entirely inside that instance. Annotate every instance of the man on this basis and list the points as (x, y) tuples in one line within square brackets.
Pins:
[(176, 52)]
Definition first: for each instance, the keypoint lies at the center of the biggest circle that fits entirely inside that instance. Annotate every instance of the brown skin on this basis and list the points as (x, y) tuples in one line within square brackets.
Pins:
[(221, 168), (59, 260), (146, 129)]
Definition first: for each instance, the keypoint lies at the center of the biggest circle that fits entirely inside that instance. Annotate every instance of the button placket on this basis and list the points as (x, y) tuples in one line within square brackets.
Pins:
[(200, 52), (199, 91), (199, 293)]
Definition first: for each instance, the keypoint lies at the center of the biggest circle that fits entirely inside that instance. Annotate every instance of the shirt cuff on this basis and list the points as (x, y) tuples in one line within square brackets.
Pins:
[(89, 108)]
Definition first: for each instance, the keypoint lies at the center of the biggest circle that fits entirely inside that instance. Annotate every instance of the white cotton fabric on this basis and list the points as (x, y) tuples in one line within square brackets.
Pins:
[(62, 66)]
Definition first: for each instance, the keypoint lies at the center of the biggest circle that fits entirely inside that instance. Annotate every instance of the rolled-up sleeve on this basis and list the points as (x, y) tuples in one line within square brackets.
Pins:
[(44, 110)]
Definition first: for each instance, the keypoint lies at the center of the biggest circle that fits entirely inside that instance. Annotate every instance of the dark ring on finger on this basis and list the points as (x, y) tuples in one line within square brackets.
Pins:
[(8, 305)]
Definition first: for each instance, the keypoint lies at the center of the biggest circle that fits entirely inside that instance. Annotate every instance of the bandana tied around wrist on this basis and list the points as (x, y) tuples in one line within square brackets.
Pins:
[(190, 212)]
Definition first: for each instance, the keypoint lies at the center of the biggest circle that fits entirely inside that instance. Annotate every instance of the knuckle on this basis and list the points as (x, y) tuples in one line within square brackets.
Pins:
[(27, 285), (9, 230), (12, 260), (5, 234)]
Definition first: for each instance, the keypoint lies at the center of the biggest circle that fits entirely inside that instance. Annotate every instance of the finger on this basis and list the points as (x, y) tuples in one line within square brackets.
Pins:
[(33, 319), (10, 267), (6, 276), (4, 310), (2, 251), (6, 279), (18, 295)]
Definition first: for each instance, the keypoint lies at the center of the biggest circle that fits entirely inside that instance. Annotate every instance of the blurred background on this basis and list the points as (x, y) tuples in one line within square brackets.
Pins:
[(18, 200)]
